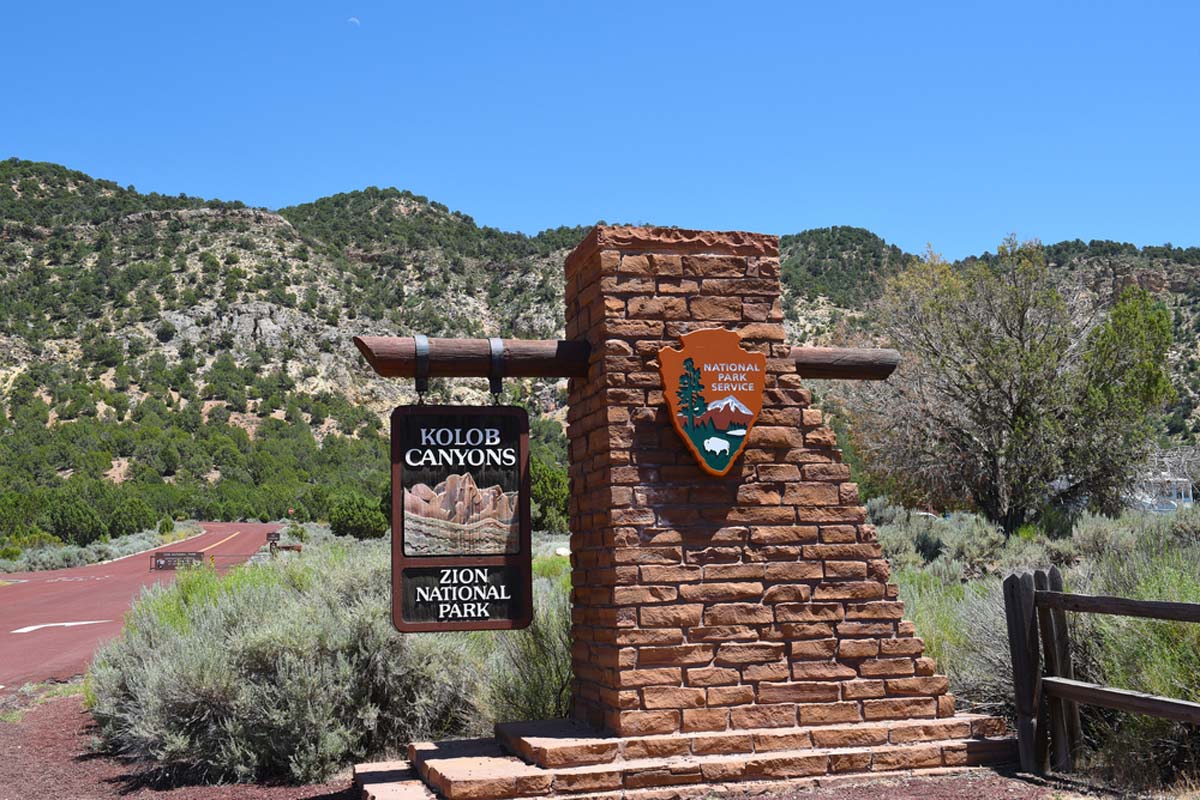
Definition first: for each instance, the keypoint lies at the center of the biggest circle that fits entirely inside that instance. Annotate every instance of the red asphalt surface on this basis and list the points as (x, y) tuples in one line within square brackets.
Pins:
[(98, 594)]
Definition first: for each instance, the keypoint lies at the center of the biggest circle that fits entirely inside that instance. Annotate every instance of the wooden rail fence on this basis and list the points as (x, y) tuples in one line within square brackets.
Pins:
[(1035, 606)]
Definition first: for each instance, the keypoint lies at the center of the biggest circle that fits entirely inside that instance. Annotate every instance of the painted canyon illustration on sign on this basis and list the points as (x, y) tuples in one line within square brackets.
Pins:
[(457, 517), (714, 389)]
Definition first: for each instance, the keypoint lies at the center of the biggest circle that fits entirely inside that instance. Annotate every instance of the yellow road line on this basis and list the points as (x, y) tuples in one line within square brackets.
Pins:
[(223, 541)]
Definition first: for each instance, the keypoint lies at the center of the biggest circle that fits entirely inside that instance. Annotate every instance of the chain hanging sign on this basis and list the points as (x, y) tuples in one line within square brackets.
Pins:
[(460, 518)]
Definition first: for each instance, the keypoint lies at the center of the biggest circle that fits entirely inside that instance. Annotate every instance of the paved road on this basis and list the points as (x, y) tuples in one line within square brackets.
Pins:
[(52, 622)]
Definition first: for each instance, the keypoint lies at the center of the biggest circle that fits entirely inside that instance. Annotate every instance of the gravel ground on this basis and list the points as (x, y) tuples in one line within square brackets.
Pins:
[(47, 754)]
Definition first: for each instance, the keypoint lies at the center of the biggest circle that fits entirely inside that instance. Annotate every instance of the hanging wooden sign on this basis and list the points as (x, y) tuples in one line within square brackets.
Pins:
[(460, 518), (714, 390)]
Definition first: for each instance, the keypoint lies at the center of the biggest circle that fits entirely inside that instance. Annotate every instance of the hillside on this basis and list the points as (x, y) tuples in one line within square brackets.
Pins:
[(187, 356)]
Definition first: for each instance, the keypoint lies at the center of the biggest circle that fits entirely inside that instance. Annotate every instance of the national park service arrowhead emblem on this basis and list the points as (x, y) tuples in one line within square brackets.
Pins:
[(714, 390)]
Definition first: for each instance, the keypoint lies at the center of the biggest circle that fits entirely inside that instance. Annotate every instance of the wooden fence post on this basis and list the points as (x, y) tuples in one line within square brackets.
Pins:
[(1066, 670), (1023, 645), (1051, 636)]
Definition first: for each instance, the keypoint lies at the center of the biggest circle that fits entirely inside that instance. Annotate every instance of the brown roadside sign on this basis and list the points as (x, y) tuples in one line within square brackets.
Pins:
[(460, 518), (175, 560), (714, 390)]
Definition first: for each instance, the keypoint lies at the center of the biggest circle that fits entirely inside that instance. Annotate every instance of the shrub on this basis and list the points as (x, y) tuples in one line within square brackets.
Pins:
[(132, 514), (529, 675), (205, 686), (166, 526), (549, 490), (73, 520), (355, 515)]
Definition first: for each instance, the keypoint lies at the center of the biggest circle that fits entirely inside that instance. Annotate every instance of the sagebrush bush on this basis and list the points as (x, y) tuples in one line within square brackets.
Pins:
[(1138, 556), (529, 673), (290, 669)]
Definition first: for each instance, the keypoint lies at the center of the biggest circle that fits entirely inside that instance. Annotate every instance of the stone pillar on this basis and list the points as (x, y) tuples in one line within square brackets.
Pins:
[(755, 600)]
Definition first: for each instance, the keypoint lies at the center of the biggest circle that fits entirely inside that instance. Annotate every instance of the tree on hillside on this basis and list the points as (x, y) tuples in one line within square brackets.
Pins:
[(1012, 397)]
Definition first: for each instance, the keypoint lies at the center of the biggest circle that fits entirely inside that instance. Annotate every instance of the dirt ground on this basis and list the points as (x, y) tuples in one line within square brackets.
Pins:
[(46, 752)]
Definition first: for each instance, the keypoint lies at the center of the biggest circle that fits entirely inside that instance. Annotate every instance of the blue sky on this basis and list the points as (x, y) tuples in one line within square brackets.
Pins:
[(948, 123)]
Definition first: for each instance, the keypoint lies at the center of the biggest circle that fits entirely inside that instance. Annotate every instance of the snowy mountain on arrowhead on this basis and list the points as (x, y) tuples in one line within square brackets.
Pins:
[(731, 404), (725, 412)]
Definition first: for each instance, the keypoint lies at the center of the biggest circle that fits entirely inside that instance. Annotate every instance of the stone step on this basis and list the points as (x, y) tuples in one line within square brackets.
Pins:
[(479, 769), (391, 780), (565, 743)]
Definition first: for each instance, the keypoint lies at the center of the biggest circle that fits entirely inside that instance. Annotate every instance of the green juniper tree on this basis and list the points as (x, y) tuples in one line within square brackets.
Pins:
[(1015, 396)]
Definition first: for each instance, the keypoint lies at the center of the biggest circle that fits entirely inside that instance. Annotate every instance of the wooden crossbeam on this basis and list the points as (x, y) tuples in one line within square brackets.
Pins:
[(1121, 606), (1122, 699), (395, 357)]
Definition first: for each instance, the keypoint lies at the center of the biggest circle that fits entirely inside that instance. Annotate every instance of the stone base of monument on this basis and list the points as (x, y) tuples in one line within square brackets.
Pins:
[(564, 758)]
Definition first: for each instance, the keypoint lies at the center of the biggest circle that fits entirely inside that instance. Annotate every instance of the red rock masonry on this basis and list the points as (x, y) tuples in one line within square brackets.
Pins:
[(755, 600)]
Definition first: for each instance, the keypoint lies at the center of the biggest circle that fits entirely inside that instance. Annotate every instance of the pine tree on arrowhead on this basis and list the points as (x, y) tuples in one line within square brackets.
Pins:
[(691, 399)]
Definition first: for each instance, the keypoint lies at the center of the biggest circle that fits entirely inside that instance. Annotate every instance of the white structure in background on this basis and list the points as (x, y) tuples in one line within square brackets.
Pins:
[(1166, 483)]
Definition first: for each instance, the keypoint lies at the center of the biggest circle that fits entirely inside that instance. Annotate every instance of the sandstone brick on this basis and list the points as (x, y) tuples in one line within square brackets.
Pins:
[(811, 494), (919, 757), (779, 739), (821, 671), (857, 736), (736, 653), (673, 616), (758, 494), (930, 733), (676, 573), (710, 592), (682, 655), (672, 697), (849, 762), (792, 767), (826, 472), (738, 614), (714, 266), (638, 595), (787, 593), (730, 695), (846, 569), (798, 571), (705, 719), (727, 743), (778, 472), (885, 667), (797, 692), (635, 265), (658, 307), (725, 309), (734, 572), (665, 264), (858, 648), (902, 647), (712, 676), (723, 633), (807, 612), (777, 715), (925, 666), (766, 672), (783, 534), (828, 713), (650, 677), (640, 723), (899, 708), (946, 705), (823, 649)]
